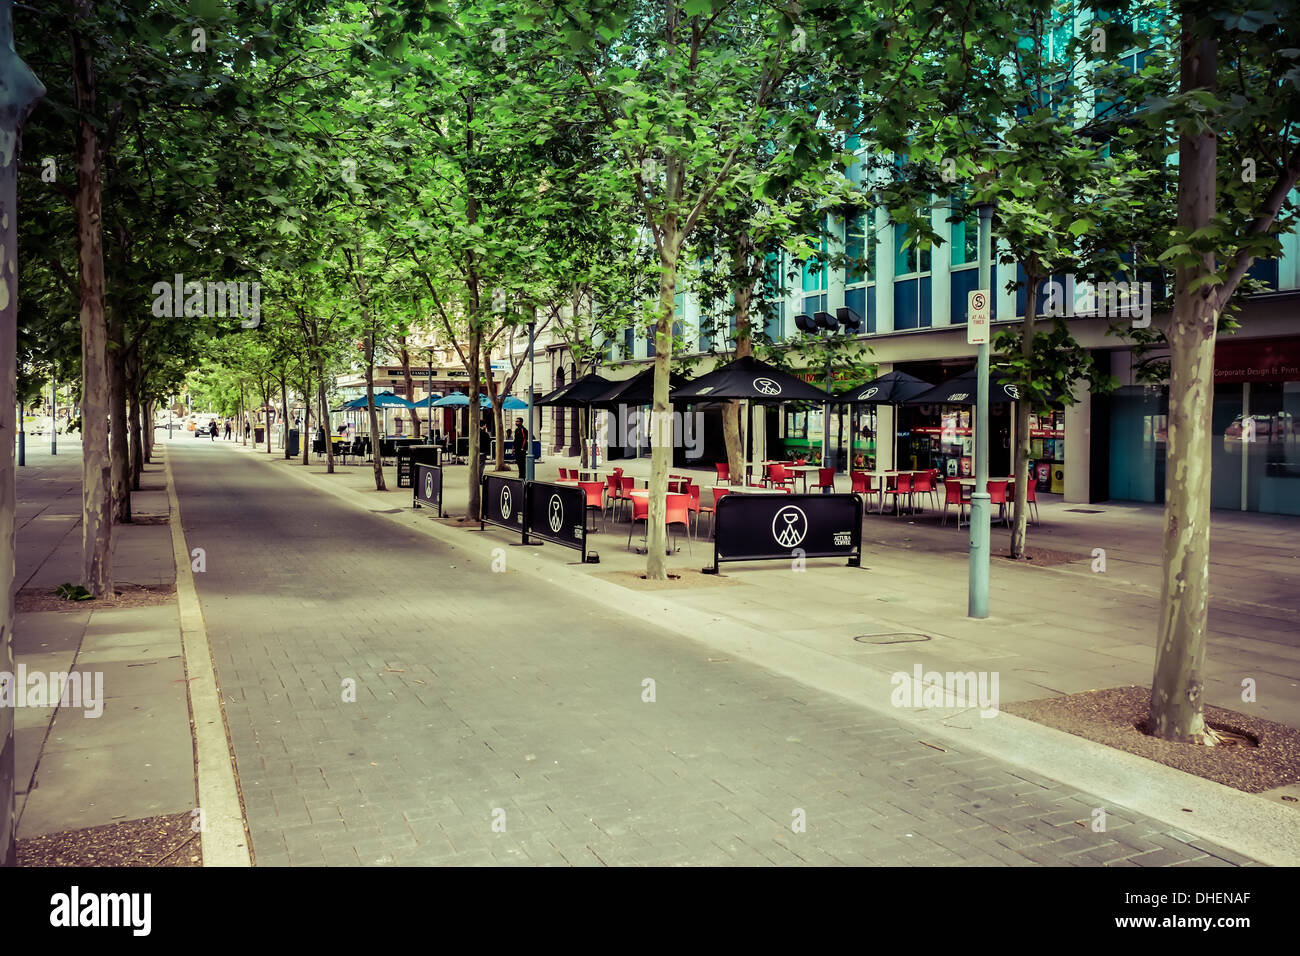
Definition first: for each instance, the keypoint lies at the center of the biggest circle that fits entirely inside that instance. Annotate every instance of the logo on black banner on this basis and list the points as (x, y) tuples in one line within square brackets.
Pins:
[(767, 387), (505, 502), (789, 527), (428, 484), (555, 514)]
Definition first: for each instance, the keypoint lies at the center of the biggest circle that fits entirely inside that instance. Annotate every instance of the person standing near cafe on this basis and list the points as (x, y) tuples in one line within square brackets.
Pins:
[(521, 445)]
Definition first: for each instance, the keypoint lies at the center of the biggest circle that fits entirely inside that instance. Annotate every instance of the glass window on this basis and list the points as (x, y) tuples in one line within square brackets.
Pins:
[(909, 260), (965, 240), (860, 267)]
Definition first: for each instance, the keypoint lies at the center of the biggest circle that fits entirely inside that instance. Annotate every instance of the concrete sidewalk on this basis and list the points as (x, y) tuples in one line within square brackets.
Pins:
[(1053, 630), (128, 753)]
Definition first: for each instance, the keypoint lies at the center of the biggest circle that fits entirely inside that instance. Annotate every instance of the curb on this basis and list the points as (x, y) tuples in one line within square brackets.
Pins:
[(1244, 823), (224, 831)]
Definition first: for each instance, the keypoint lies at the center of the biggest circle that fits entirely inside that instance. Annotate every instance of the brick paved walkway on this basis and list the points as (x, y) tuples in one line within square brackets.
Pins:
[(483, 701)]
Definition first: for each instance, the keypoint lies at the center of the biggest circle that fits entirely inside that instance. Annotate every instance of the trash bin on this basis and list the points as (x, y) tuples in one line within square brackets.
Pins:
[(259, 435), (537, 450), (293, 443)]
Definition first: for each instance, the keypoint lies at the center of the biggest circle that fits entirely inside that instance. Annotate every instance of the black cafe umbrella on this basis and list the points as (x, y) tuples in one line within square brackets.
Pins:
[(892, 388), (748, 378), (577, 394), (961, 391), (637, 390)]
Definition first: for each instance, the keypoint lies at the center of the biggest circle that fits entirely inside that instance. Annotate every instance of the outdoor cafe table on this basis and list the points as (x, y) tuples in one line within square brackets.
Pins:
[(747, 490), (802, 471)]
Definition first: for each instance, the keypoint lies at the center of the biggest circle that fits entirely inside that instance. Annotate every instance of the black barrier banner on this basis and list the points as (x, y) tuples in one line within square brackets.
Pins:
[(410, 456), (767, 527), (558, 513), (502, 503), (428, 486)]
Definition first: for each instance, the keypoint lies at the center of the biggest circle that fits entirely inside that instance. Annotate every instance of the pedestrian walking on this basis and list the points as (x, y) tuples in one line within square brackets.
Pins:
[(521, 443), (212, 430), (228, 429)]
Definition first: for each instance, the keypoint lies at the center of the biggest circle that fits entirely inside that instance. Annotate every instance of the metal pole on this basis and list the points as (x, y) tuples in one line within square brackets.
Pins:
[(979, 504), (828, 452), (22, 435), (528, 439), (54, 414)]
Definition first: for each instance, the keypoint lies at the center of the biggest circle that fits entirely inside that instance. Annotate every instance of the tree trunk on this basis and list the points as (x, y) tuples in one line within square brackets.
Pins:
[(1020, 522), (266, 405), (498, 418), (305, 437), (414, 414), (135, 415), (731, 412), (661, 423), (324, 417), (97, 471), (284, 412), (373, 412), (475, 461), (118, 427), (148, 430), (1177, 688)]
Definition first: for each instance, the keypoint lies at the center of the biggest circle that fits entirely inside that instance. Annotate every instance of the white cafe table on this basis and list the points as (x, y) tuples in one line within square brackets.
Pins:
[(748, 490)]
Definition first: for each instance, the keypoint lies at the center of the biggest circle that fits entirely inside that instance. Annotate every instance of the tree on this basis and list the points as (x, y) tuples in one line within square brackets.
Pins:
[(1237, 95)]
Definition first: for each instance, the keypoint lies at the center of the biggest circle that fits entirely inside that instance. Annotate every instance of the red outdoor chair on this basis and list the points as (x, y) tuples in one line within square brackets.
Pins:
[(611, 489), (724, 472), (621, 494), (864, 484), (923, 484), (640, 512), (679, 513), (998, 496), (778, 477), (1031, 498), (595, 492), (902, 486), (952, 495), (825, 479)]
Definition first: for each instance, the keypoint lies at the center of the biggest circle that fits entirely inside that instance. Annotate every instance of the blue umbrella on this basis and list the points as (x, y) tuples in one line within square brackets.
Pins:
[(382, 400), (426, 401), (514, 404), (461, 400)]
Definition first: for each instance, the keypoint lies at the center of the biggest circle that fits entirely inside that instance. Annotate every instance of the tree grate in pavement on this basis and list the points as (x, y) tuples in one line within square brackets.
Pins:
[(894, 638)]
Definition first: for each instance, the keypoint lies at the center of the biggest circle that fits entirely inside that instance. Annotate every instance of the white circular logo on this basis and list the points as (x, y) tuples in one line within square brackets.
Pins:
[(870, 392), (789, 527), (506, 504), (1011, 390), (766, 386), (428, 484), (555, 513)]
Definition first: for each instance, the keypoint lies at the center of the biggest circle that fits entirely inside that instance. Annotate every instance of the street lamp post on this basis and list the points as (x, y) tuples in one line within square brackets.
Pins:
[(978, 605), (850, 322), (54, 414), (528, 439)]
